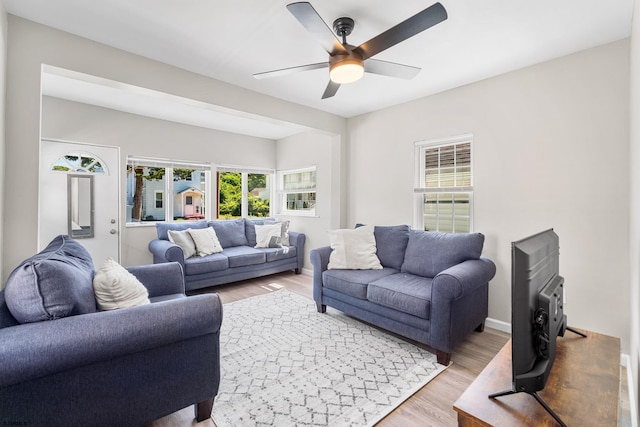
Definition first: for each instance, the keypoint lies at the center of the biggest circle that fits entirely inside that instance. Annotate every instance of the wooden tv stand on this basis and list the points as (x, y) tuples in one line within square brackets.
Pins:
[(583, 388)]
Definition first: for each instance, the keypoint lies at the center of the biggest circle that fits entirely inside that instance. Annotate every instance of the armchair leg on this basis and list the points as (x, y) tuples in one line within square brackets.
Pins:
[(321, 307), (443, 357), (480, 327), (203, 410)]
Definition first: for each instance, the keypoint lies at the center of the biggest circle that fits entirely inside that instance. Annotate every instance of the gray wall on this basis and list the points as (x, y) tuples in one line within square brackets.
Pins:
[(3, 80), (634, 253), (550, 150), (146, 137), (31, 45)]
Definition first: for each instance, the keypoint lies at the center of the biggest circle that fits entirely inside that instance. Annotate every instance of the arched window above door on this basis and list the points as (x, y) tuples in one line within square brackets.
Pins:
[(79, 163)]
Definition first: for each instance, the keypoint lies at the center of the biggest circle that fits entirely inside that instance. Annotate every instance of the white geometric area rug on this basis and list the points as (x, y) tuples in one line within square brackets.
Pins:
[(284, 364)]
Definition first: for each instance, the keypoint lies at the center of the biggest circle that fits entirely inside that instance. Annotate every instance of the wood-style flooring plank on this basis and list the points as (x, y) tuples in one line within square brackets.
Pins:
[(430, 406)]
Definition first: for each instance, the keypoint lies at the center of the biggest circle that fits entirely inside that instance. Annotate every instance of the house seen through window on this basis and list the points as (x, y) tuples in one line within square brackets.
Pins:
[(163, 190), (444, 191)]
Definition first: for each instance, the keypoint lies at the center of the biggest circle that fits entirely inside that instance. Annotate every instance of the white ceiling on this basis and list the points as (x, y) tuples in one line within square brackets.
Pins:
[(230, 40)]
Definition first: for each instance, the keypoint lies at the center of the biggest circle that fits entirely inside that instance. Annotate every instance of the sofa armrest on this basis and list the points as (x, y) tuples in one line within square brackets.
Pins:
[(166, 251), (319, 261), (298, 239), (160, 279), (463, 278), (459, 302), (34, 350)]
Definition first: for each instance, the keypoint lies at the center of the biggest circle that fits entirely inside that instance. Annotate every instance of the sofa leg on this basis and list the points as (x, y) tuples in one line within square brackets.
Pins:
[(203, 410), (321, 308), (443, 357), (480, 327), (297, 271)]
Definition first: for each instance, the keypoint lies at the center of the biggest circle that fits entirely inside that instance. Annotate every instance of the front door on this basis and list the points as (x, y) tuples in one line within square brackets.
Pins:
[(79, 195)]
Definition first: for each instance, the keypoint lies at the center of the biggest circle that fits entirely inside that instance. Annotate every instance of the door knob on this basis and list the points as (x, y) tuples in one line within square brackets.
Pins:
[(113, 231)]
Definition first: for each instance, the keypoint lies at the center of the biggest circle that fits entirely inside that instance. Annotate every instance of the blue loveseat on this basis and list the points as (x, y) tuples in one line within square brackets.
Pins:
[(63, 363), (433, 287), (239, 259)]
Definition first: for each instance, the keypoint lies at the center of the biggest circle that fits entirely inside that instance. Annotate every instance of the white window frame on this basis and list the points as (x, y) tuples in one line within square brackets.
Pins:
[(282, 199), (168, 201), (155, 199), (421, 189), (245, 171)]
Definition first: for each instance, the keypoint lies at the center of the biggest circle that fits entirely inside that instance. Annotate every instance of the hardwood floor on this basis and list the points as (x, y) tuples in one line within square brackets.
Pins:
[(430, 406)]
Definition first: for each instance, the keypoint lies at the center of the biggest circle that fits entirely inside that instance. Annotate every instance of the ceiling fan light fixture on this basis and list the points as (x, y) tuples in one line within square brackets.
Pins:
[(346, 71)]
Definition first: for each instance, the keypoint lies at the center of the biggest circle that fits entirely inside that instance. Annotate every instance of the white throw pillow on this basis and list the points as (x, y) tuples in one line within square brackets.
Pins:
[(183, 239), (354, 249), (284, 237), (115, 287), (206, 241), (268, 236)]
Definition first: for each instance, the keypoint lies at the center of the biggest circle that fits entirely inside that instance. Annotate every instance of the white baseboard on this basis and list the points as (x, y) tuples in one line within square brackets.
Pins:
[(498, 325), (625, 361)]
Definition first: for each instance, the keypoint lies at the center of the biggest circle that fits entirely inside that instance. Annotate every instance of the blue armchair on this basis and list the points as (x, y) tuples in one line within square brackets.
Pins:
[(124, 367)]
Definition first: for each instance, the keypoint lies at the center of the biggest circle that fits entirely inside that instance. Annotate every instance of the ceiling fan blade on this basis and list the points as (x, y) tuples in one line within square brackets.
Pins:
[(309, 18), (291, 70), (419, 22), (391, 69), (331, 89)]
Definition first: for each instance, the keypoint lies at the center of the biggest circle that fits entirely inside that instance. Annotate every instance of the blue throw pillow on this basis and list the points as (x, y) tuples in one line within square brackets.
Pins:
[(230, 232), (163, 227), (52, 284), (391, 243), (430, 252)]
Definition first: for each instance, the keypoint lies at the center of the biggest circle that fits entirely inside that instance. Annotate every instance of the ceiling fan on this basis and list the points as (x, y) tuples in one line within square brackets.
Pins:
[(348, 63)]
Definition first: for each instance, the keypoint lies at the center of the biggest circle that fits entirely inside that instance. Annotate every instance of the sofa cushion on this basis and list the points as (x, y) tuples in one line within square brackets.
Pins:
[(55, 283), (353, 249), (353, 282), (163, 227), (205, 264), (403, 292), (430, 252), (116, 288), (183, 239), (206, 241), (244, 255), (284, 252), (230, 232)]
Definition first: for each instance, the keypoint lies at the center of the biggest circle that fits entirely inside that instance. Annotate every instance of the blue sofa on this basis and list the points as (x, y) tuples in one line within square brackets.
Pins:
[(63, 363), (239, 260), (433, 287)]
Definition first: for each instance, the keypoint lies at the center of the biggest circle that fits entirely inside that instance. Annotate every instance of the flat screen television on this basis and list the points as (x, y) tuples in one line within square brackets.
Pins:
[(537, 313)]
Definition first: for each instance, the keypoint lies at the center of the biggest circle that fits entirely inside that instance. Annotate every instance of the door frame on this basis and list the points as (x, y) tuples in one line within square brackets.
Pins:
[(116, 170)]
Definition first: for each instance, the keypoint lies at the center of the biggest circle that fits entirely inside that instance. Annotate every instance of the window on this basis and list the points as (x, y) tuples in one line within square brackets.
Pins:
[(165, 190), (298, 190), (444, 191), (243, 192)]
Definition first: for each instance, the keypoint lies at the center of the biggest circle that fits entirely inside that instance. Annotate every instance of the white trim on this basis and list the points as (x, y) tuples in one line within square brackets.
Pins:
[(445, 140), (247, 169), (498, 325), (165, 163), (421, 190), (625, 360)]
